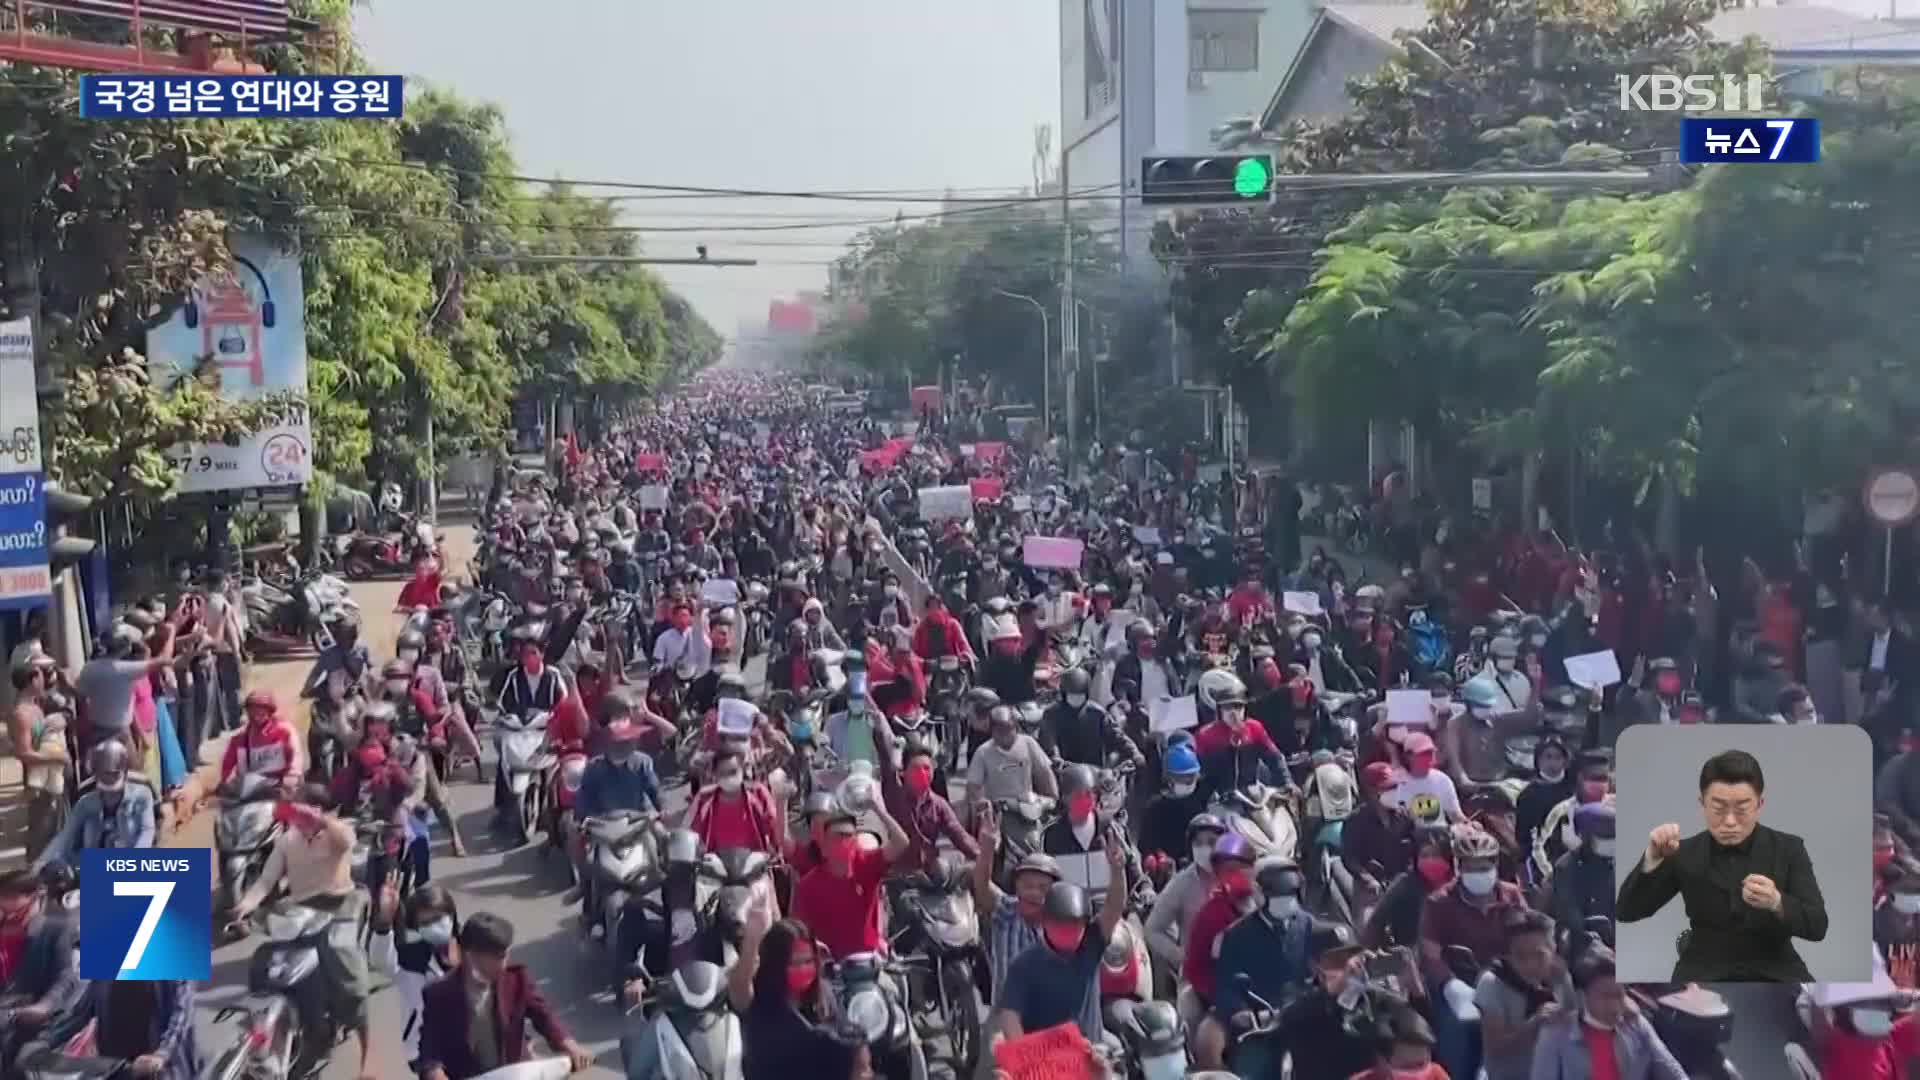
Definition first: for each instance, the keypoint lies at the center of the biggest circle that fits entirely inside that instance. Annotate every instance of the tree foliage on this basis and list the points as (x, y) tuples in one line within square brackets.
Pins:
[(109, 225)]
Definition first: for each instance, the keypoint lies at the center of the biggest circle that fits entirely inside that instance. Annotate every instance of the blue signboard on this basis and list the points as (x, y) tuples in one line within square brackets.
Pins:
[(24, 577)]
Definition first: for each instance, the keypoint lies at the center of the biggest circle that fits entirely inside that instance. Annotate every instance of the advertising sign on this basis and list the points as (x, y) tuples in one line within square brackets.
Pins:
[(25, 580), (251, 320)]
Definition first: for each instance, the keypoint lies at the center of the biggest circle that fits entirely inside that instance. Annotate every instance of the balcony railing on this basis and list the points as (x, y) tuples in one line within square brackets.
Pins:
[(156, 36)]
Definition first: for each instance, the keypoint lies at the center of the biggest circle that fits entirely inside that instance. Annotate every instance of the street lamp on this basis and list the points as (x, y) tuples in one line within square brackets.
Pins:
[(1046, 357)]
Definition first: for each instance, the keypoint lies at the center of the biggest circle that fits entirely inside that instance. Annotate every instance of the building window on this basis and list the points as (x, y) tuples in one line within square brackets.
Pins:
[(1223, 40)]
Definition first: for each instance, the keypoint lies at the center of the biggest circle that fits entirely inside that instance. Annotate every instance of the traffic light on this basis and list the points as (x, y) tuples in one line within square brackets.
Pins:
[(67, 511), (1192, 181)]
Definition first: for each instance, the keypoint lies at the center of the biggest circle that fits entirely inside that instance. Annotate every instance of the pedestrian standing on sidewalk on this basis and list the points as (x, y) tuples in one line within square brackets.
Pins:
[(39, 735), (106, 684), (225, 634)]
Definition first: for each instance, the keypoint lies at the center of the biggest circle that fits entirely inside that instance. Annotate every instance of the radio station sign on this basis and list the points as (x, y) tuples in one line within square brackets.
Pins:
[(25, 577)]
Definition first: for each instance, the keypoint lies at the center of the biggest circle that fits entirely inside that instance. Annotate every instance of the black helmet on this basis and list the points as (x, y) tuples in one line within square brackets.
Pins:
[(820, 802), (1076, 779), (982, 698), (1327, 937), (1278, 877), (1075, 682), (1066, 902), (1204, 823)]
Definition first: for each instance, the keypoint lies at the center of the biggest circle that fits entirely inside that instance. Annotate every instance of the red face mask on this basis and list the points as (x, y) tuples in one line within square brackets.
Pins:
[(1302, 693), (1882, 858), (532, 662), (1420, 764), (1667, 685), (1435, 870), (1145, 648), (1065, 937), (1236, 883), (920, 779), (837, 849), (682, 620), (801, 977), (1592, 790), (1080, 807)]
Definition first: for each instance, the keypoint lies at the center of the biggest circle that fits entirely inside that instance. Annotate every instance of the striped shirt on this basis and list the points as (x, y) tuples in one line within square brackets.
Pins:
[(1008, 936)]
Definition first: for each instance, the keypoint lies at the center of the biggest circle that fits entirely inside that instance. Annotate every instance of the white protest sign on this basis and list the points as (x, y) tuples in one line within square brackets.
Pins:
[(1143, 534), (736, 717), (966, 449), (720, 592), (1412, 708), (1594, 670), (19, 405), (946, 503), (1174, 714), (1052, 552), (1088, 869), (1301, 603), (1021, 503), (653, 497)]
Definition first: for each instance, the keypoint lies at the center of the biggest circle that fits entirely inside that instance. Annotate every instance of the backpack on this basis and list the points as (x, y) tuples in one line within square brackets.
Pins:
[(1427, 642)]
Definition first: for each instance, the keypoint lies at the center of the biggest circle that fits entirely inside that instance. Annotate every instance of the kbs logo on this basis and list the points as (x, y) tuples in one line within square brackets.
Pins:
[(146, 914), (1692, 93)]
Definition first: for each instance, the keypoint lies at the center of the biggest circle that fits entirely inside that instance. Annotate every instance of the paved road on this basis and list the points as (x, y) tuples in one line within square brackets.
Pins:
[(523, 885)]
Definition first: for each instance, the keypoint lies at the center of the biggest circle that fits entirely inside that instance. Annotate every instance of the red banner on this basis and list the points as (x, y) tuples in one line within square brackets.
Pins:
[(986, 453), (986, 488), (1055, 1053), (649, 462)]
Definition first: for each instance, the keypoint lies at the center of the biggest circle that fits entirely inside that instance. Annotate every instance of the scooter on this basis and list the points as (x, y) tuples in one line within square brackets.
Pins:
[(624, 863), (728, 879), (688, 1030), (244, 833), (563, 780), (863, 995), (1153, 1034), (1021, 823), (943, 930), (1264, 816), (523, 754), (366, 556), (286, 1028)]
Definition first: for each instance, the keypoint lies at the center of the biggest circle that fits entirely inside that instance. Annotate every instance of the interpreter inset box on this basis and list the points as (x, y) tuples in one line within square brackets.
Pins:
[(1744, 853)]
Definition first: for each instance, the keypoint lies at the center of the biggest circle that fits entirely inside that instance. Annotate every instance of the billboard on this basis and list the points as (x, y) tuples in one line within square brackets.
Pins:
[(1100, 62), (25, 579), (251, 319)]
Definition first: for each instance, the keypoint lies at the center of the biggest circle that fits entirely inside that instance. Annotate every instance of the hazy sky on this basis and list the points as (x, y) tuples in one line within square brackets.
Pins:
[(908, 96)]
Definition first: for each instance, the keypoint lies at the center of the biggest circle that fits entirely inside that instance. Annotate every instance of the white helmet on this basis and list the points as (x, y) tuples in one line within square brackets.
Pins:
[(1219, 683)]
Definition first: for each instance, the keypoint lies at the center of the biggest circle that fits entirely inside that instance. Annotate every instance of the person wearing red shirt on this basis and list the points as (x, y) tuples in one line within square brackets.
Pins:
[(423, 589), (267, 746), (735, 813), (840, 899), (1232, 750), (940, 634), (1250, 601), (1232, 897), (902, 674)]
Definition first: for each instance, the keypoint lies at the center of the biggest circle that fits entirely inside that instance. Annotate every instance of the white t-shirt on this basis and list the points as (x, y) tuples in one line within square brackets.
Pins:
[(1427, 799)]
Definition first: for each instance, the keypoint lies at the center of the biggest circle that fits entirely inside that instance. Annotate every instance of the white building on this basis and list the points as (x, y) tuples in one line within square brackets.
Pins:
[(1150, 77)]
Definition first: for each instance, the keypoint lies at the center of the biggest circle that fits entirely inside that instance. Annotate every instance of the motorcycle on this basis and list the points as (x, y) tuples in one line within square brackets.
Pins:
[(810, 752), (1153, 1034), (563, 780), (333, 730), (244, 833), (759, 630), (524, 756), (286, 1029), (728, 879), (624, 863), (689, 1032), (942, 931), (946, 694), (365, 556), (1326, 872), (1695, 1024), (1264, 816), (863, 995), (1021, 823)]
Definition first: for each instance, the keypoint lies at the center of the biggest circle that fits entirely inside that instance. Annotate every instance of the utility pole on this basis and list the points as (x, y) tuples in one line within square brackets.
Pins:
[(1069, 324)]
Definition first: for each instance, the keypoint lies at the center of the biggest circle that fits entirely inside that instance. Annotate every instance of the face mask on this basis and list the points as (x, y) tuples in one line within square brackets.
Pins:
[(1065, 939), (1080, 807), (1180, 789), (920, 779), (1603, 847), (1882, 858), (408, 655), (1667, 685), (531, 664), (438, 932), (1076, 700), (1872, 1023), (1554, 776), (732, 782), (1203, 855), (1907, 903), (396, 688), (1145, 648), (1503, 666), (801, 977), (1539, 641), (1283, 907), (1435, 870), (1236, 883), (1311, 641), (838, 849), (1478, 882), (1420, 764), (1592, 790)]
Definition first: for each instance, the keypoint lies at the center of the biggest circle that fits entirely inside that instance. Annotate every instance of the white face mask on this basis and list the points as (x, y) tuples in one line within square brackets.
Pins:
[(1503, 666), (1203, 855), (409, 655), (1283, 907), (436, 933), (1603, 847), (1539, 641), (397, 688), (1873, 1023), (1311, 641), (1554, 776), (1479, 882), (1907, 903), (1076, 700), (1180, 789), (732, 782)]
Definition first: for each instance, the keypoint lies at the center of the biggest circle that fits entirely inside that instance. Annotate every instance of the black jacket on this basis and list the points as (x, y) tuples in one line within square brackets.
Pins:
[(1728, 941)]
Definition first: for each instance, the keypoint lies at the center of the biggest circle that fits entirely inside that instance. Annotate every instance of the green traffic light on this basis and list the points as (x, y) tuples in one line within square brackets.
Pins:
[(1251, 178)]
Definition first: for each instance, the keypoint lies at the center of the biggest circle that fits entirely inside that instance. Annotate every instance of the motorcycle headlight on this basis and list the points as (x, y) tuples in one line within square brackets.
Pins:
[(868, 1010)]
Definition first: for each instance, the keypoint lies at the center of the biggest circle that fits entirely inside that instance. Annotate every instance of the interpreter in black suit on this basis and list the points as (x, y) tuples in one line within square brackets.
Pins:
[(1749, 890)]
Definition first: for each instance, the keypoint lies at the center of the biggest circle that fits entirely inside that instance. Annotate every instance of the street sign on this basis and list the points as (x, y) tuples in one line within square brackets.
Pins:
[(1893, 497)]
